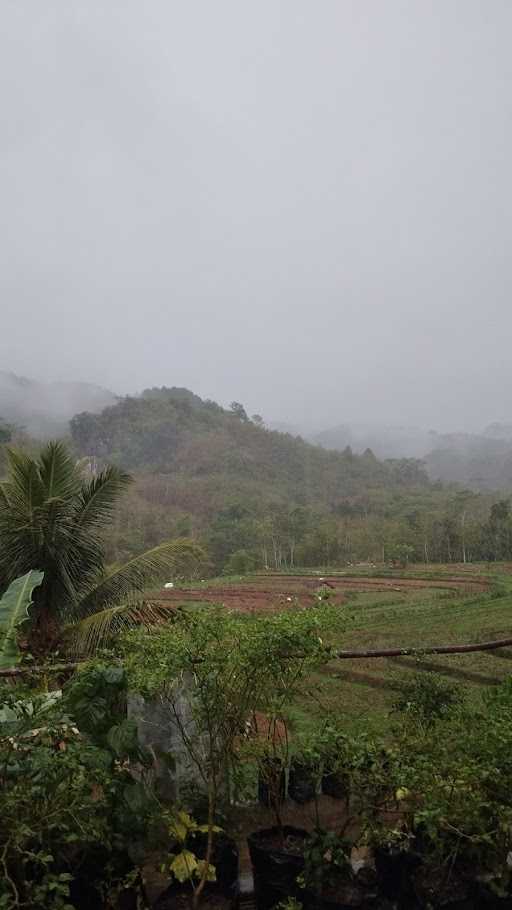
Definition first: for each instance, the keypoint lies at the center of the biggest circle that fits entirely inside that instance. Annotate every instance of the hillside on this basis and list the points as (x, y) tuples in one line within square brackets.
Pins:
[(44, 409), (175, 431), (211, 471), (477, 461)]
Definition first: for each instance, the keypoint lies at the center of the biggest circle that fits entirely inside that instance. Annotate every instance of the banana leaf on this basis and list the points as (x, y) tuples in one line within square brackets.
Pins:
[(14, 606)]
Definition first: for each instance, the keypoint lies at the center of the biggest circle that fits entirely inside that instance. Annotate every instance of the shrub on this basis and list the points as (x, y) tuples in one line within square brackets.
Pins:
[(427, 697), (240, 563), (66, 797)]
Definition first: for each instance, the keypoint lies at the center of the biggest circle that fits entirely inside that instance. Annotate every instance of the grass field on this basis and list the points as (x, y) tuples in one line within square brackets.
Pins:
[(384, 609)]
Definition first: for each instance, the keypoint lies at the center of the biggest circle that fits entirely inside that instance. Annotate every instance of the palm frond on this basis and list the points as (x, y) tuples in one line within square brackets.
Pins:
[(98, 498), (86, 636), (24, 484), (4, 494), (179, 556), (58, 472)]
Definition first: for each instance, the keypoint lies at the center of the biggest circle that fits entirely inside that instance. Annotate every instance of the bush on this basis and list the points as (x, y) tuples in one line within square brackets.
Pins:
[(65, 800), (427, 697), (240, 563)]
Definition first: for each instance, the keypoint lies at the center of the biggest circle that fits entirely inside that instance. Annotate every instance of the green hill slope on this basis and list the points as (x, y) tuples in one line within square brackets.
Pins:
[(174, 431), (213, 472)]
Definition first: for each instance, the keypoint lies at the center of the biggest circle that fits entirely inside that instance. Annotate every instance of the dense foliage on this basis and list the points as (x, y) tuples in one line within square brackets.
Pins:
[(259, 498), (52, 517), (67, 794)]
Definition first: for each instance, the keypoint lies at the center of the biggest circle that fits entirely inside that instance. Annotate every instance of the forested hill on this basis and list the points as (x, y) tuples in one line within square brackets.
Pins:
[(175, 431), (257, 497), (216, 473)]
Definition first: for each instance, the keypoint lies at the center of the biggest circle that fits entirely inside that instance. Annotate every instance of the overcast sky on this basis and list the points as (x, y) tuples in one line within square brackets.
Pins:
[(304, 205)]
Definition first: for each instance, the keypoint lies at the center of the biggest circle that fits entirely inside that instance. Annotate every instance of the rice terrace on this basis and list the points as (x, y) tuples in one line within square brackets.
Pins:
[(415, 609)]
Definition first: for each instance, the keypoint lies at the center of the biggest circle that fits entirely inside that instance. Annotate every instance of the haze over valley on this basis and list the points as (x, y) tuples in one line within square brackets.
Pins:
[(255, 455)]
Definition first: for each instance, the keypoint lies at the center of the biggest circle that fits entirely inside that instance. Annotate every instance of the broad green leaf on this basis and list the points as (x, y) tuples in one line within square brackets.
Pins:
[(7, 715), (14, 607), (181, 825), (210, 870), (184, 865)]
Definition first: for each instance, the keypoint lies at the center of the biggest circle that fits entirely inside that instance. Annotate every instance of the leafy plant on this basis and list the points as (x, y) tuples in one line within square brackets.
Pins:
[(71, 809), (291, 903), (14, 610), (212, 670), (326, 858), (52, 518), (59, 799), (426, 697), (183, 864)]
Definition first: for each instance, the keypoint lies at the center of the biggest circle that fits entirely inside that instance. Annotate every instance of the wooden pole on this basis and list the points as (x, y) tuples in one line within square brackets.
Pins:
[(27, 669), (335, 655), (430, 649)]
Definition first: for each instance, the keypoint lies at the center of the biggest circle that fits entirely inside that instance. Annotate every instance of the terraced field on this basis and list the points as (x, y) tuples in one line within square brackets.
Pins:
[(271, 592), (413, 609)]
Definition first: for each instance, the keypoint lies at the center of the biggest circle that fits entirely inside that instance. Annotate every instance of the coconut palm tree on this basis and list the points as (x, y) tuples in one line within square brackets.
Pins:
[(52, 518)]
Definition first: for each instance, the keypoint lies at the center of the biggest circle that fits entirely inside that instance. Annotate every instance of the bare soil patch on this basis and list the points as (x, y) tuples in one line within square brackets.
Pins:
[(267, 593)]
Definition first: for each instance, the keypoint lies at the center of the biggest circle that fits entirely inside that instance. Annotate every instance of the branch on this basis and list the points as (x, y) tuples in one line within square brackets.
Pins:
[(334, 655), (433, 649), (26, 670)]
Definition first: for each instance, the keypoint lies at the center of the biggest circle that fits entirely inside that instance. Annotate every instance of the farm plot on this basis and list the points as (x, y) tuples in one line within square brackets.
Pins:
[(267, 592), (408, 610)]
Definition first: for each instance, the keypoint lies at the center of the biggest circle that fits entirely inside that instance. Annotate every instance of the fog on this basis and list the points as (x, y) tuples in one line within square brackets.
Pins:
[(304, 206)]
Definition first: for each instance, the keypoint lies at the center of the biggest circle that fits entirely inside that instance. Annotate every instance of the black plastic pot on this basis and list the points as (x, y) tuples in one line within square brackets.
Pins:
[(432, 888), (395, 869), (271, 782), (487, 900), (88, 882), (335, 785), (276, 865), (225, 858), (223, 892), (348, 895), (180, 898), (301, 784)]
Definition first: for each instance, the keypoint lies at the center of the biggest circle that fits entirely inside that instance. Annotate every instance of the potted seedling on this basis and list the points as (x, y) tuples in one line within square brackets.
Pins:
[(211, 671), (328, 879), (307, 768), (386, 807), (277, 852), (338, 753)]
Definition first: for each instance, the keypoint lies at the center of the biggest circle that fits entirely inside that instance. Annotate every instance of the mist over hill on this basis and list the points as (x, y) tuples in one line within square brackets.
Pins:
[(384, 441), (479, 461), (44, 409), (256, 496), (174, 430), (217, 473)]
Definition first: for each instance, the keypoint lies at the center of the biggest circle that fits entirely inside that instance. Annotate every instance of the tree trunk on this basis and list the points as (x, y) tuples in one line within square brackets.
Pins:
[(209, 844)]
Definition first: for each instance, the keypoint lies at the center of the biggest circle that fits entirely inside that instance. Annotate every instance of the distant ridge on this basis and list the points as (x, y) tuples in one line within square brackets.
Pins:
[(479, 461)]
